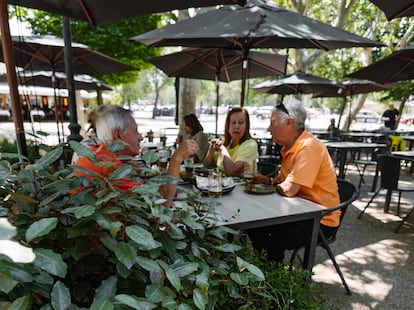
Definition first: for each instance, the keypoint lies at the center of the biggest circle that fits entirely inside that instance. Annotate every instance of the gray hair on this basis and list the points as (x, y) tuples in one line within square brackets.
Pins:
[(106, 118), (296, 110)]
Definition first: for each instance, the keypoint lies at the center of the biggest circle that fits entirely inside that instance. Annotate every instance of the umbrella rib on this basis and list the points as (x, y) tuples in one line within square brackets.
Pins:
[(403, 11), (86, 12), (318, 45)]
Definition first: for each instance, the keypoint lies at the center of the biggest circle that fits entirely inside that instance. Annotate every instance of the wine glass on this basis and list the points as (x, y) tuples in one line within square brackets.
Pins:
[(248, 172)]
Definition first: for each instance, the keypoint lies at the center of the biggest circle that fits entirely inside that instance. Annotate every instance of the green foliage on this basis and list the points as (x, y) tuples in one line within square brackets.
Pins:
[(98, 247), (11, 147)]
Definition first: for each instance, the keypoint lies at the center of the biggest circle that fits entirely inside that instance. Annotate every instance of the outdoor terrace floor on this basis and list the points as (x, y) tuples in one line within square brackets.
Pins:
[(377, 263)]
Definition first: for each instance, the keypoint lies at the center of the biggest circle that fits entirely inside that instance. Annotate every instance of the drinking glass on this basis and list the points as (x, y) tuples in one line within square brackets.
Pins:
[(163, 159), (215, 186), (248, 172), (189, 164)]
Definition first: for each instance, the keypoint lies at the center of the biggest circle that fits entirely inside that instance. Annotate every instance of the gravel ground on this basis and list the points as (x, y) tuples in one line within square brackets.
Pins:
[(377, 263)]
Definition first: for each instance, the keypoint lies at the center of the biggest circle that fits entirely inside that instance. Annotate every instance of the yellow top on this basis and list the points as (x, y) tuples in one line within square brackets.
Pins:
[(247, 151)]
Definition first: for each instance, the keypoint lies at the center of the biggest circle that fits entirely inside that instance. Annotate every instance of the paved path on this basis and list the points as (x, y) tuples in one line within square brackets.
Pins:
[(378, 264)]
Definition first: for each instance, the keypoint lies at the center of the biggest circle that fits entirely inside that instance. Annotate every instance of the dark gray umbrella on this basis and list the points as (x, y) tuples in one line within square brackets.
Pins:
[(298, 83), (395, 9), (58, 80), (98, 12), (398, 66), (350, 88), (47, 53), (259, 24), (220, 64), (94, 11)]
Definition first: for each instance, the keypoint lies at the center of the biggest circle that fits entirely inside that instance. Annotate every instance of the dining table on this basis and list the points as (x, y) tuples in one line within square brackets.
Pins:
[(362, 136), (240, 209), (345, 147), (409, 139), (407, 156)]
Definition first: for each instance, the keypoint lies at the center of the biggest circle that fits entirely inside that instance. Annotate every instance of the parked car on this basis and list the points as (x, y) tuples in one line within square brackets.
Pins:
[(264, 112), (366, 116)]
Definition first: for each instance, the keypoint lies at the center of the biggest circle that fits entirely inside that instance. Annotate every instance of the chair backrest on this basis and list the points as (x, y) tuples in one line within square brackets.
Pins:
[(389, 167), (268, 169), (348, 193)]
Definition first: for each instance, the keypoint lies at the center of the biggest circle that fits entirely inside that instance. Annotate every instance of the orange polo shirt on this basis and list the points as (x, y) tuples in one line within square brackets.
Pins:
[(109, 163), (309, 164)]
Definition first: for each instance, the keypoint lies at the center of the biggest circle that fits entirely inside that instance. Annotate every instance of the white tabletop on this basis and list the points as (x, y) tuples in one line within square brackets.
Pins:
[(242, 210), (404, 153), (353, 145)]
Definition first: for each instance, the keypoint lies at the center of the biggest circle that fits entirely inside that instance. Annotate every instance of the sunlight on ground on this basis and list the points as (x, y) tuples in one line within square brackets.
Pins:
[(388, 255)]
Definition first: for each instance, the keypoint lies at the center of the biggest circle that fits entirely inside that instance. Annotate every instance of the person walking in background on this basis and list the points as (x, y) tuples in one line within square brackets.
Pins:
[(390, 116), (306, 171), (114, 123), (194, 130), (237, 147), (334, 131)]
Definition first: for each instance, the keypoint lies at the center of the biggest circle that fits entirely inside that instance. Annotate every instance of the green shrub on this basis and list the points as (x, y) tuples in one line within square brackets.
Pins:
[(11, 147), (100, 248)]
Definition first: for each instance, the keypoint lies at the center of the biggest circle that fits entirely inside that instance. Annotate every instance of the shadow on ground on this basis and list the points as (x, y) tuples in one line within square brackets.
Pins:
[(377, 263)]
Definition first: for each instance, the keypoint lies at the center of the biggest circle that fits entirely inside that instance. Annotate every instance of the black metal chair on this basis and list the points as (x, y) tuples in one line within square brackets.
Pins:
[(390, 168), (371, 160), (348, 193), (268, 169)]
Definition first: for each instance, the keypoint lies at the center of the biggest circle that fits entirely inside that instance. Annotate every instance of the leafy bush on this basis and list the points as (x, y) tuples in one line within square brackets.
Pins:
[(100, 248), (11, 147)]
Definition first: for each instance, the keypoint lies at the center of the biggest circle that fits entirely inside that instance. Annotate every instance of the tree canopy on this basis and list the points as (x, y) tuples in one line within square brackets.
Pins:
[(110, 39)]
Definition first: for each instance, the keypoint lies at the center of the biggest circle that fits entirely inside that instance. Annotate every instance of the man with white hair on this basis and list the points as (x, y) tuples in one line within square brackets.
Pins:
[(306, 171), (114, 123)]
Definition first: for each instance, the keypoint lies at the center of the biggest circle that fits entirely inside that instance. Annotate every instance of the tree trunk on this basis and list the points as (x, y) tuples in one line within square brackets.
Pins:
[(406, 94)]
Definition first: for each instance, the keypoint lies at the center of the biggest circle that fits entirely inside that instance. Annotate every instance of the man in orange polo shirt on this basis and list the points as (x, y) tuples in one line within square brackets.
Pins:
[(114, 123), (306, 171)]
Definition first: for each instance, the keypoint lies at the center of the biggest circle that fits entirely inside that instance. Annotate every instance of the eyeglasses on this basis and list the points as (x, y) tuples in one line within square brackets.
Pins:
[(280, 106)]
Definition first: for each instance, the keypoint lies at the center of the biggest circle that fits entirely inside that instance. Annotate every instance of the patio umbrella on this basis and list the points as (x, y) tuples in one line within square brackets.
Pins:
[(398, 66), (298, 83), (99, 12), (259, 24), (46, 53), (395, 9), (220, 64), (58, 80), (107, 11), (350, 88)]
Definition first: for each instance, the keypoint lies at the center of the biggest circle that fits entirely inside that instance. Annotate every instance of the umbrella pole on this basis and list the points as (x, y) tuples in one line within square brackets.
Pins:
[(243, 81), (56, 105), (16, 105), (217, 101), (74, 127)]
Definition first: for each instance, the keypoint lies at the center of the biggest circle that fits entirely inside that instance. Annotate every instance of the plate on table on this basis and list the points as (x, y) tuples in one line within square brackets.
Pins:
[(226, 190), (260, 189)]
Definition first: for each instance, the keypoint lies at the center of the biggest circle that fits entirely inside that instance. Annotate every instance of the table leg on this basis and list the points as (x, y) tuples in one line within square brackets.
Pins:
[(375, 180), (310, 249), (342, 161), (387, 201)]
